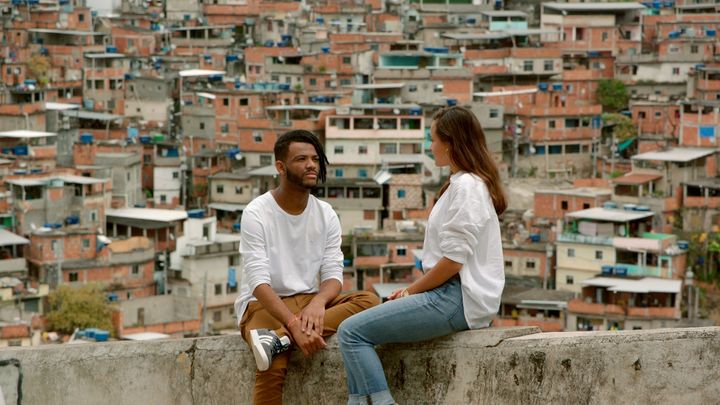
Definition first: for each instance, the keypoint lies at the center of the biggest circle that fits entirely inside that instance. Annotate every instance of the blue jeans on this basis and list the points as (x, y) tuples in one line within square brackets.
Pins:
[(416, 318)]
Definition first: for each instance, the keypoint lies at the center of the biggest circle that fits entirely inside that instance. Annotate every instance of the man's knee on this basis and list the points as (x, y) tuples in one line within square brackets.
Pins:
[(365, 299)]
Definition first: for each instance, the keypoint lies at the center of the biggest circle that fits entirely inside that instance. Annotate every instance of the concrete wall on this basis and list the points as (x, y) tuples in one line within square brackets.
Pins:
[(494, 366)]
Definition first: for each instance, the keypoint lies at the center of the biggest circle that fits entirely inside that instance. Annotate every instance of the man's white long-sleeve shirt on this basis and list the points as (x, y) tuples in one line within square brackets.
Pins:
[(293, 254), (464, 228)]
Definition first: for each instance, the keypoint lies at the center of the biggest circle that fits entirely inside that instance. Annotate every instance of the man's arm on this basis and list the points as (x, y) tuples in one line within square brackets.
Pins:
[(312, 317)]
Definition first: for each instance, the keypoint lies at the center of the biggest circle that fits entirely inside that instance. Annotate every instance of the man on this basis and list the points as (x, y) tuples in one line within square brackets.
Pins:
[(290, 291)]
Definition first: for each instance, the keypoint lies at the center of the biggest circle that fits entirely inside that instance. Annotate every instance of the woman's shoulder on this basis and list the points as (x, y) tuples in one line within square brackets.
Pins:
[(468, 182)]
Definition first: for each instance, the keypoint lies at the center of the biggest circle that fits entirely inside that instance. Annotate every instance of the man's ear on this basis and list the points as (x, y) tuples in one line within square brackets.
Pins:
[(280, 167)]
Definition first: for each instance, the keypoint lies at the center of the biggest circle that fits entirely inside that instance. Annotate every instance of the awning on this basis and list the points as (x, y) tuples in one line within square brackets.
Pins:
[(625, 144)]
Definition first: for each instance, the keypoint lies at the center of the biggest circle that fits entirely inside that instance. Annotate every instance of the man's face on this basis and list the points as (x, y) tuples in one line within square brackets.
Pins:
[(302, 165)]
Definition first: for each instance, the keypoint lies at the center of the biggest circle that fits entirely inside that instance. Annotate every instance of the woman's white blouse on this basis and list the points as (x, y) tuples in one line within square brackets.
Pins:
[(464, 228)]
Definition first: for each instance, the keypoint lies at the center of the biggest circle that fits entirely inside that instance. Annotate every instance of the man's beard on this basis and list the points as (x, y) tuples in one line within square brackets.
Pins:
[(298, 180)]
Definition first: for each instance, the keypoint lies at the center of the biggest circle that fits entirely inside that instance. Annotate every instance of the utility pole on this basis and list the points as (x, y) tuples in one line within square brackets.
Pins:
[(549, 250), (203, 317)]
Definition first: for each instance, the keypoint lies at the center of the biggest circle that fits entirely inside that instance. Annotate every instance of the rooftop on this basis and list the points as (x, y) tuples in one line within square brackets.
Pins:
[(609, 215), (643, 285), (679, 155), (581, 7), (151, 214), (24, 134)]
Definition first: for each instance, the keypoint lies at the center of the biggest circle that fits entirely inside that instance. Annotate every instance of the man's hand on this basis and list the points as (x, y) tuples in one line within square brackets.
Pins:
[(312, 317), (308, 343)]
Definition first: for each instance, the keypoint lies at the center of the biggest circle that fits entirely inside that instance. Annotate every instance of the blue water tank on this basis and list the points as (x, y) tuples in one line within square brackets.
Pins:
[(642, 208), (145, 139), (198, 213), (139, 205), (607, 270), (451, 102), (72, 220), (711, 33), (320, 20), (101, 335), (629, 207), (35, 171), (90, 333), (325, 49), (86, 139), (621, 271), (284, 87), (236, 227), (231, 58), (111, 49), (20, 150), (269, 43), (347, 262), (535, 237), (542, 86), (112, 297), (557, 86), (416, 111), (610, 205), (683, 244)]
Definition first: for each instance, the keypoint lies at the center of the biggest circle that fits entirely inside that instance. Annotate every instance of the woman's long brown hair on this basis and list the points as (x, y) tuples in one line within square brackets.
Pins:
[(459, 128)]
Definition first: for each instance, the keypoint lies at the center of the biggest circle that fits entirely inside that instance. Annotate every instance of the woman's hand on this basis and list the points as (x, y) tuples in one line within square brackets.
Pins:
[(398, 293)]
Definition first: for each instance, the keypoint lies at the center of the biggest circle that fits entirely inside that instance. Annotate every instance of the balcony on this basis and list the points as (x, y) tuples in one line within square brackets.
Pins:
[(654, 312), (18, 265), (585, 239), (645, 271), (578, 305), (214, 248), (702, 202)]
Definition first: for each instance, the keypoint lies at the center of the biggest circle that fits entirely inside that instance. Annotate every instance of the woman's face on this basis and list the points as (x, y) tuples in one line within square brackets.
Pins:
[(439, 149)]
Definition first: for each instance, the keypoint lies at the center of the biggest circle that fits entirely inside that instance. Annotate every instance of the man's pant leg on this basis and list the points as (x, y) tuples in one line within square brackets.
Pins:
[(268, 384)]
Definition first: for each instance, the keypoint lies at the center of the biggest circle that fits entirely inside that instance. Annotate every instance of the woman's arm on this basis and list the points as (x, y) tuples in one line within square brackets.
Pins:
[(440, 273)]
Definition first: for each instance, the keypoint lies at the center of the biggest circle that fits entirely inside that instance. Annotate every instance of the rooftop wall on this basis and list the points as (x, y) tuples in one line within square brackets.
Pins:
[(493, 366)]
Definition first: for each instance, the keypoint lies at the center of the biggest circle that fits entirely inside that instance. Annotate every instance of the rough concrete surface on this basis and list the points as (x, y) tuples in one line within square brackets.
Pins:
[(493, 366)]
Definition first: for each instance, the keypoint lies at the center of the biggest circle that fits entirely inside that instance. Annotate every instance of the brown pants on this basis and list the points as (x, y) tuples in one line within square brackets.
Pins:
[(269, 384)]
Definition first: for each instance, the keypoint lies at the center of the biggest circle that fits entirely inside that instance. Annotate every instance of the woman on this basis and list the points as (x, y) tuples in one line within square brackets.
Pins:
[(462, 262)]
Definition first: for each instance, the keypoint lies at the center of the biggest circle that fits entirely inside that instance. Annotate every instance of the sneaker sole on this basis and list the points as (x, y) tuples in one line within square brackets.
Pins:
[(261, 360)]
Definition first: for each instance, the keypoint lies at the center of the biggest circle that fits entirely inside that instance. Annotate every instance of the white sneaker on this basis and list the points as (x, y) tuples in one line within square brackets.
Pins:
[(266, 344)]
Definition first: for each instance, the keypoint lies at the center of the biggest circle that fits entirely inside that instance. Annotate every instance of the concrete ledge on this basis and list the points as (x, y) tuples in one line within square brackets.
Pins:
[(510, 365)]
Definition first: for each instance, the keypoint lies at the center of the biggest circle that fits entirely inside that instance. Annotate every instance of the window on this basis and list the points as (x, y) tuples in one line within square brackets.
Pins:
[(14, 342), (693, 49), (371, 192), (555, 149), (163, 198), (676, 71), (401, 251), (135, 269), (574, 148), (388, 148), (586, 206), (244, 101), (658, 114), (528, 66), (93, 215), (508, 263), (551, 124), (328, 84), (438, 88), (548, 65), (226, 101), (362, 149), (54, 246), (275, 78), (563, 205), (345, 82), (369, 215), (73, 276), (257, 137), (569, 280), (202, 125), (217, 316), (401, 193), (128, 176), (265, 160), (572, 122), (218, 289), (232, 289), (530, 264), (362, 173), (86, 243), (338, 149), (641, 115), (347, 60), (571, 252), (494, 113), (604, 36), (313, 82), (339, 172), (225, 128), (598, 254), (412, 88), (176, 175), (238, 189)]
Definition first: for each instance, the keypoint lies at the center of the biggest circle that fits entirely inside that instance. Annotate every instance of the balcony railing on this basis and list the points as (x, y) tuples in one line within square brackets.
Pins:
[(654, 312), (215, 248), (578, 305), (645, 271), (13, 265), (585, 239)]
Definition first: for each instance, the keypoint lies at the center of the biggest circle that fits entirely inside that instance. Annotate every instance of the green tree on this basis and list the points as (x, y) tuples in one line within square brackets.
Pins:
[(612, 94), (78, 307), (622, 126), (38, 67)]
